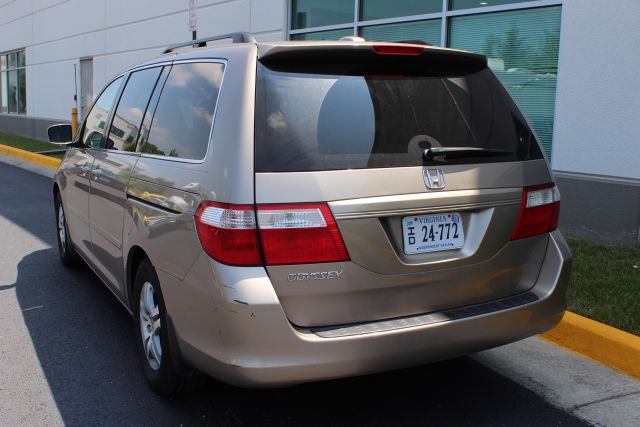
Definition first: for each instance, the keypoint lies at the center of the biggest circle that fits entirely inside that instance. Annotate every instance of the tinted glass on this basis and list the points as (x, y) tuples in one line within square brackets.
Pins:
[(308, 122), (151, 109), (22, 91), (380, 9), (522, 47), (21, 59), (133, 103), (468, 4), (4, 95), (3, 62), (13, 60), (314, 13), (425, 31), (95, 125), (184, 115), (13, 91), (324, 35)]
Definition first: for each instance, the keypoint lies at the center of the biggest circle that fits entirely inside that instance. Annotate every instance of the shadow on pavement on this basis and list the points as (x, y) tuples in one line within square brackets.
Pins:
[(84, 341)]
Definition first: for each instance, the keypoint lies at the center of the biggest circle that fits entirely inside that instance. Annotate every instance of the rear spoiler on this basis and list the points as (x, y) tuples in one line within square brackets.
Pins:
[(324, 57)]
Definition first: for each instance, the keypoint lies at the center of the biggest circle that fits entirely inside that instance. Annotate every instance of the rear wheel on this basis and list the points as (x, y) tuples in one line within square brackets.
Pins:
[(158, 354), (68, 254)]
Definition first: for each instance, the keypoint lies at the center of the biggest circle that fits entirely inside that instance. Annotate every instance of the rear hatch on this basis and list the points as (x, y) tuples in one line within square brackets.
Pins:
[(347, 126)]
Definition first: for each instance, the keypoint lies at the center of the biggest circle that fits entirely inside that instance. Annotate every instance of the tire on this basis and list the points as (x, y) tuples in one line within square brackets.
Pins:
[(68, 254), (161, 362)]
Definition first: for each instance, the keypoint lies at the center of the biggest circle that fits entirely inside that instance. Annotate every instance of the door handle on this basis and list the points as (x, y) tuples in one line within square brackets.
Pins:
[(96, 172), (84, 169)]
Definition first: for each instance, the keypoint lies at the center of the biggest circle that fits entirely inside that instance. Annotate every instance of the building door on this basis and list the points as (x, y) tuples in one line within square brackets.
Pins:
[(86, 86)]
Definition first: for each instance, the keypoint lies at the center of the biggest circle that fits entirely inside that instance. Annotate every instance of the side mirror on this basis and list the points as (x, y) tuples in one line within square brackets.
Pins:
[(60, 134)]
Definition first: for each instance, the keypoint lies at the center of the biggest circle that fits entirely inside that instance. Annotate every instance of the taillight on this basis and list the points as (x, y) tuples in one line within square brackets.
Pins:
[(288, 234), (539, 211), (300, 234), (390, 49), (228, 233)]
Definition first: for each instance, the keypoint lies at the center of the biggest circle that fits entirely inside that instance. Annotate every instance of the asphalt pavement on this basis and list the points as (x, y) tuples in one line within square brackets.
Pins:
[(67, 356)]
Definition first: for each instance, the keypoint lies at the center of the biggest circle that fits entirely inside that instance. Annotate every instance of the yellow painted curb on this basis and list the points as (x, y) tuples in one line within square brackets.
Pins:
[(50, 162), (609, 346)]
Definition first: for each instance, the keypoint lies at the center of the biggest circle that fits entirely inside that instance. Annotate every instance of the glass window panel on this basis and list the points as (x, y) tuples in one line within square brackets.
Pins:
[(22, 91), (379, 117), (133, 103), (380, 9), (95, 123), (12, 60), (426, 31), (184, 115), (4, 96), (522, 47), (315, 13), (3, 62), (324, 35), (13, 91), (21, 59), (469, 4)]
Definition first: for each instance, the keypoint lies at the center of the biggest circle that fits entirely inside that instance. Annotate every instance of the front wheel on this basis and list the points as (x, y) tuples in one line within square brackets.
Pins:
[(157, 355)]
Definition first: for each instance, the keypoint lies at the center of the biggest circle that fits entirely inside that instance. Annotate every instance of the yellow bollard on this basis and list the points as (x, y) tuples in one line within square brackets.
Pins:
[(74, 121)]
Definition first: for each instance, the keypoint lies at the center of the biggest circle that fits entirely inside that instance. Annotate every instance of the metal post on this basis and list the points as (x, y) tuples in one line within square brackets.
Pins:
[(193, 35)]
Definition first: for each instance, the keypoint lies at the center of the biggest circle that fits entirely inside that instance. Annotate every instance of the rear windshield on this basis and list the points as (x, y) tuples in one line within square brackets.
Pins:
[(367, 119)]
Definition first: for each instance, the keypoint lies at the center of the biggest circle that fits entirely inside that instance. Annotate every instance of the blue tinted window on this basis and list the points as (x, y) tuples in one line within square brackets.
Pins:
[(184, 115), (314, 13), (324, 35), (380, 9), (132, 105), (469, 4), (426, 31)]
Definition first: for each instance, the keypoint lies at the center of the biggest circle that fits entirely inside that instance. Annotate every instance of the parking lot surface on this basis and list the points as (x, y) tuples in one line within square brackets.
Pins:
[(67, 356)]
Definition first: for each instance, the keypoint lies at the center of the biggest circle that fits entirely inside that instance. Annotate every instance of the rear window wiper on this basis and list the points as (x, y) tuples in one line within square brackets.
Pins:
[(457, 152)]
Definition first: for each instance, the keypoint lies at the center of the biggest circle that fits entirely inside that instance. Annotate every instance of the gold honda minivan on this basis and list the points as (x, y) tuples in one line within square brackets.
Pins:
[(284, 212)]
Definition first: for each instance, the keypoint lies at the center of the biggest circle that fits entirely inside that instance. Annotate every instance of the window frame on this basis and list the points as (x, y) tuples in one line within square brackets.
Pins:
[(222, 61), (17, 68), (79, 138), (445, 13), (127, 77)]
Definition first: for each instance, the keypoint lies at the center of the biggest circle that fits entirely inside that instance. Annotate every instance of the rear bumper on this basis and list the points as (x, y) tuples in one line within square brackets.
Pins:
[(240, 334)]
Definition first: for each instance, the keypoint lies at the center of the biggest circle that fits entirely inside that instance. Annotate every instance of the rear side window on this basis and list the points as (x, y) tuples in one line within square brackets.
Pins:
[(368, 119), (133, 103), (96, 122), (183, 118)]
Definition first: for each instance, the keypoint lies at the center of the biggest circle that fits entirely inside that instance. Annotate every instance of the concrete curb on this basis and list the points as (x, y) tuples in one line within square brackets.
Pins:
[(50, 162), (609, 346)]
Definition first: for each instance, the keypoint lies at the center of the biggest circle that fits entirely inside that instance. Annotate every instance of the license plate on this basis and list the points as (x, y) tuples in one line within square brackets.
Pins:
[(431, 233)]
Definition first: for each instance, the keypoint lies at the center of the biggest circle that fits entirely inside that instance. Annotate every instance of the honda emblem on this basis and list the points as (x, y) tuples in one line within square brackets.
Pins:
[(434, 179)]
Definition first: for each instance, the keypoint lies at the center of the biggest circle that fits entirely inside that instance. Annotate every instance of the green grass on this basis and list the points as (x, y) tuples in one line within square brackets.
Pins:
[(605, 284), (26, 143)]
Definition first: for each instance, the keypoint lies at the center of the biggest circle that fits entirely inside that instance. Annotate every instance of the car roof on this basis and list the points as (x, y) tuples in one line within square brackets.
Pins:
[(187, 51)]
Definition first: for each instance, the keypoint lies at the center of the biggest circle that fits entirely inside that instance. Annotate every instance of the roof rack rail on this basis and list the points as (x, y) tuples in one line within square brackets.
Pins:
[(239, 37)]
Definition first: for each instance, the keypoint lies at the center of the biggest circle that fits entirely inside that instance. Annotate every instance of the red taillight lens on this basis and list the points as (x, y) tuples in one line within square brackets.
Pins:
[(539, 211), (390, 49), (300, 234), (228, 233), (289, 234)]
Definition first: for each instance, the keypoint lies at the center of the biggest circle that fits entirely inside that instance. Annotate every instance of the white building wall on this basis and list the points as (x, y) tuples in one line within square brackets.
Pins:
[(116, 34), (597, 126)]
